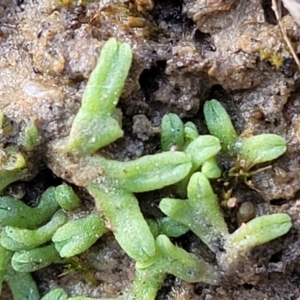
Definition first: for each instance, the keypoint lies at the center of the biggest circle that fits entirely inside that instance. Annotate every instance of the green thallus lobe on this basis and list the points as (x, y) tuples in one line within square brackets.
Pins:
[(14, 212), (94, 126), (259, 231), (172, 132), (219, 124), (167, 226), (78, 235), (22, 285), (17, 239), (35, 259), (261, 148), (30, 137)]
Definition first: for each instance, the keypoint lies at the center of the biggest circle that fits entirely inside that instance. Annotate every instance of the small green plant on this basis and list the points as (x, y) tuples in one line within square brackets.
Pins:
[(25, 237), (34, 237), (201, 213), (96, 124), (248, 151)]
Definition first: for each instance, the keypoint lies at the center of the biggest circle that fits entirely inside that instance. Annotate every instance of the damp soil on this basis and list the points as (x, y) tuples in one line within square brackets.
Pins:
[(185, 52)]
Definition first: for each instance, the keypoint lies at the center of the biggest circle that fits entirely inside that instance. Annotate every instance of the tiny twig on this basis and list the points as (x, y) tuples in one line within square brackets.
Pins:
[(288, 42)]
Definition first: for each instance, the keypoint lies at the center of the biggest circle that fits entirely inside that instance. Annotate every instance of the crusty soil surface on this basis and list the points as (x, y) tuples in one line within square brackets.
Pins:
[(185, 52)]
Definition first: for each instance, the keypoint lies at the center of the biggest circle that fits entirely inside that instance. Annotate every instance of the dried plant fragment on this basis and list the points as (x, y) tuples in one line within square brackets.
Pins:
[(293, 6)]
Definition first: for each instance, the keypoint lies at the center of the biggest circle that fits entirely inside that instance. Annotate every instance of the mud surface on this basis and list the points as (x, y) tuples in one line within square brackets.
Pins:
[(184, 54)]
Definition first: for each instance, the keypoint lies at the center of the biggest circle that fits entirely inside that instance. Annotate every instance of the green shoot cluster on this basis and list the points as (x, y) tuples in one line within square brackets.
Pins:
[(34, 237)]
